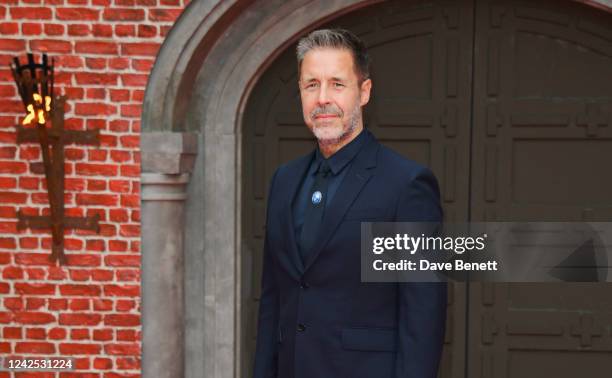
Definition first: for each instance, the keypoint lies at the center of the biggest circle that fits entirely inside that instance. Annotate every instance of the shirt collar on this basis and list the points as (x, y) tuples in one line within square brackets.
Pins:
[(344, 155)]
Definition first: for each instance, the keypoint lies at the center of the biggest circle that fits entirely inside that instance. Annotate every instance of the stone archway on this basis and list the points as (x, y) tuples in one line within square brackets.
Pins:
[(196, 93)]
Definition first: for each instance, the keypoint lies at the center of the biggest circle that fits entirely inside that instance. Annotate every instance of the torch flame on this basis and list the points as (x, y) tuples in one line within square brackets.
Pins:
[(32, 114)]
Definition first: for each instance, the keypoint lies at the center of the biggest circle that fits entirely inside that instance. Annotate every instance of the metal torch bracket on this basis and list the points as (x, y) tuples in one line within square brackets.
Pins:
[(52, 141)]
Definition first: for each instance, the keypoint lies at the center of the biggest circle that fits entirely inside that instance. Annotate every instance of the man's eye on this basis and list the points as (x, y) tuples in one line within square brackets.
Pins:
[(311, 85), (338, 85)]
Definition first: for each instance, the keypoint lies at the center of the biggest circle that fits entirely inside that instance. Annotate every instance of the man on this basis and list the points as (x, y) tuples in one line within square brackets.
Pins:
[(316, 318)]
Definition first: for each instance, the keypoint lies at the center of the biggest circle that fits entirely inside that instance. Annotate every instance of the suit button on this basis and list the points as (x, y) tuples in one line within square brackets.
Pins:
[(304, 285), (301, 327)]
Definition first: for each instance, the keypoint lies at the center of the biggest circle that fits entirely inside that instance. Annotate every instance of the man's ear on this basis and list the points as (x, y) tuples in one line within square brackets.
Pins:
[(365, 89)]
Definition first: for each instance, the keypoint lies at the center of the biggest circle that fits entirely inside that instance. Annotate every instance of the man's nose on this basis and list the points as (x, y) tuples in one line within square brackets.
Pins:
[(323, 95)]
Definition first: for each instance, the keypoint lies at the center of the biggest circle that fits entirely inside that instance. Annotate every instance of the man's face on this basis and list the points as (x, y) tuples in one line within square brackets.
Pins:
[(331, 94)]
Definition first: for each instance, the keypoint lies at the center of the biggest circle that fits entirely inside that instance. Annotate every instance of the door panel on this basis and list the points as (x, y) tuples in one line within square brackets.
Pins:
[(542, 142)]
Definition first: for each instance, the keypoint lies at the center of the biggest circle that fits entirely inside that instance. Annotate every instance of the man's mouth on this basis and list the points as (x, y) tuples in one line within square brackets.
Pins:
[(326, 116)]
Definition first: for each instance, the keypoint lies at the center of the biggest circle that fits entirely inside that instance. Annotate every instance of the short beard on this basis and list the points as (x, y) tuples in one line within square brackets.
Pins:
[(353, 122)]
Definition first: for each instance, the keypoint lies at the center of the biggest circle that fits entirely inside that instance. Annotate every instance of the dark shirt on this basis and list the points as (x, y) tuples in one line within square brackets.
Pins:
[(339, 164)]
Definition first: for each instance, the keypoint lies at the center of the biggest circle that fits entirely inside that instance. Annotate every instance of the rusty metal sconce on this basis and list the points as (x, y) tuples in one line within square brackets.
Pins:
[(35, 86)]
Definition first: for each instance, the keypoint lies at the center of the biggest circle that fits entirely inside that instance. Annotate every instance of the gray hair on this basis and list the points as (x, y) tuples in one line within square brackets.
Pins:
[(337, 39)]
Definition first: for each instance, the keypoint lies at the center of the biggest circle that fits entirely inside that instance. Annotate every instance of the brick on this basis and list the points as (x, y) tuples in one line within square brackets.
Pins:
[(74, 153), (128, 363), (126, 275), (122, 290), (6, 317), (79, 30), (35, 303), (140, 49), (13, 197), (12, 273), (8, 212), (103, 363), (77, 14), (87, 169), (96, 47), (29, 28), (120, 156), (34, 318), (96, 93), (130, 201), (78, 349), (54, 29), (85, 318), (118, 63), (129, 230), (97, 155), (123, 14), (12, 167), (7, 28), (122, 349), (97, 123), (55, 273), (31, 13), (102, 275), (169, 15), (90, 78), (147, 31), (125, 30), (57, 333), (122, 260), (124, 305), (95, 245), (28, 242), (35, 348), (134, 80), (118, 215), (103, 334), (102, 304), (8, 243), (36, 333), (32, 258), (14, 304), (32, 183), (11, 333), (101, 30), (12, 44), (83, 260), (79, 334), (95, 64), (34, 288), (127, 335), (58, 304), (122, 320), (51, 45), (97, 199), (84, 290), (75, 184), (8, 227), (79, 304), (8, 182)]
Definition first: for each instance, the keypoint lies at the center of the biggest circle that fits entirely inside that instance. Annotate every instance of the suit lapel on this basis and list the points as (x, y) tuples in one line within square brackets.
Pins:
[(358, 175), (294, 179)]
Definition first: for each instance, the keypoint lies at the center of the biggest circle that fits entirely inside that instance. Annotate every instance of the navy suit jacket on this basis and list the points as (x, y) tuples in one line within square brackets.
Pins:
[(317, 319)]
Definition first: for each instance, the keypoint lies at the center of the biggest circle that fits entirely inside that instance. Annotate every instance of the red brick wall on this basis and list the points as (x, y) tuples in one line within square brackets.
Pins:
[(90, 308)]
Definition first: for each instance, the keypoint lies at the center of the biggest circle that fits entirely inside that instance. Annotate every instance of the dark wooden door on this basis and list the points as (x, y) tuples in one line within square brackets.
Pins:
[(509, 104), (541, 151)]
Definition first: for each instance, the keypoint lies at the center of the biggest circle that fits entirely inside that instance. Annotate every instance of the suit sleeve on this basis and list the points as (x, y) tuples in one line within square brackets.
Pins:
[(266, 352), (421, 305)]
